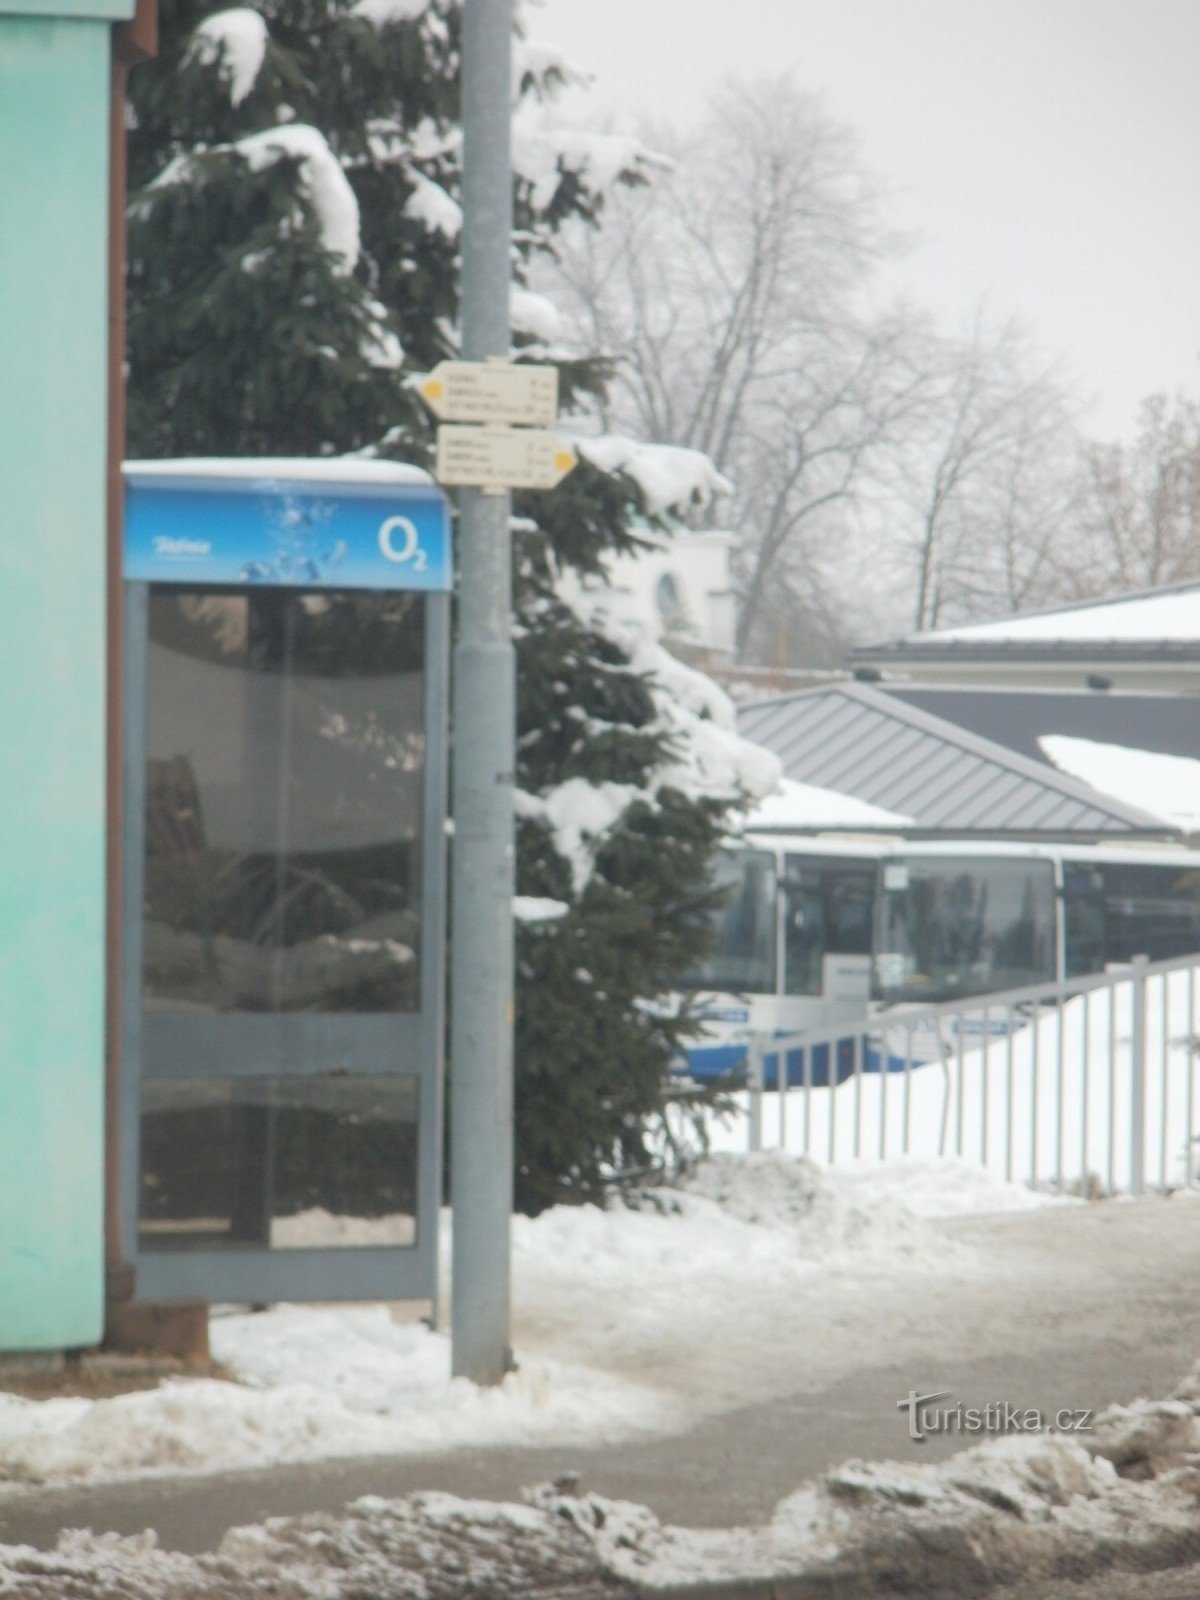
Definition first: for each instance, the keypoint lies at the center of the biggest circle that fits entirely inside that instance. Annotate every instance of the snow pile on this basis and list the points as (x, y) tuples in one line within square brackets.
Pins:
[(670, 477), (236, 40), (323, 183), (429, 1545), (925, 1188), (318, 1229), (318, 1383), (805, 805), (430, 205), (773, 1188), (1166, 786), (1001, 1512), (733, 1217)]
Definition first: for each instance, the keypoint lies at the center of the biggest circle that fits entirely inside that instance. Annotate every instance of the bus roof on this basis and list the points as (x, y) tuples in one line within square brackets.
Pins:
[(874, 847)]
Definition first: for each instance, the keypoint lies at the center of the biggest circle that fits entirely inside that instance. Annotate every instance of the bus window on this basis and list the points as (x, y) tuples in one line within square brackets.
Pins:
[(742, 958), (955, 926), (1116, 910), (829, 909)]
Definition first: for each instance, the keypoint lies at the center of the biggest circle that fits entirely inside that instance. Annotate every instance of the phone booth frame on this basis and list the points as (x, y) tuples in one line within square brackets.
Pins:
[(195, 525)]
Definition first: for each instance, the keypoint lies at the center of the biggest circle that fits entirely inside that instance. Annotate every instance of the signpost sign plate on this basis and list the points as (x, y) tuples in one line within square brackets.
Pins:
[(498, 392), (501, 458)]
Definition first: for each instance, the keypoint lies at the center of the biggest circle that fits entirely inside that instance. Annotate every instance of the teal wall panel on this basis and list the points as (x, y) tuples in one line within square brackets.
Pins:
[(54, 85)]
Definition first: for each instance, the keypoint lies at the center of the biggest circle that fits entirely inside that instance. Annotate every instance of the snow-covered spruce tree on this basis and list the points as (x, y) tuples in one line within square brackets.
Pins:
[(292, 260)]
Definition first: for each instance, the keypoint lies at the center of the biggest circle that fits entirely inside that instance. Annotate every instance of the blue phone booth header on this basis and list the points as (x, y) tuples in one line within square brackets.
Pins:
[(297, 524)]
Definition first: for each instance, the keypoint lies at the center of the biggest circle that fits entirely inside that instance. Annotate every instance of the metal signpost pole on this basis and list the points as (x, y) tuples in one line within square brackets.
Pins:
[(483, 759)]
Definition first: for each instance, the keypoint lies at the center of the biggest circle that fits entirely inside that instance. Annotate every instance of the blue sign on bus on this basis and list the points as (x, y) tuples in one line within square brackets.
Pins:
[(310, 525)]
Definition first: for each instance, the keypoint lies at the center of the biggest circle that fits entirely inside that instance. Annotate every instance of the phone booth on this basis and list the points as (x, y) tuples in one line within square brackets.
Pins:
[(283, 964)]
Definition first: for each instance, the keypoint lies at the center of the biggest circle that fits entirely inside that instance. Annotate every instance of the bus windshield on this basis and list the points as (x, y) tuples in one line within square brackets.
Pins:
[(742, 957), (963, 925), (829, 910)]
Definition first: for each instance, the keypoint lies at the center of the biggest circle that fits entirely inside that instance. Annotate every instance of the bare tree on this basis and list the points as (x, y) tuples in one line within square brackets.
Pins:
[(984, 480), (1140, 502), (731, 295), (873, 459)]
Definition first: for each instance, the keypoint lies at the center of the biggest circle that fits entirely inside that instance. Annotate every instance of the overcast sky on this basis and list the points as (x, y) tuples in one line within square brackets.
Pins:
[(1046, 153)]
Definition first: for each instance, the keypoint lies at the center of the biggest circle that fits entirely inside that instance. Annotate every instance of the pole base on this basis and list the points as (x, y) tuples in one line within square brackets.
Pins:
[(176, 1328)]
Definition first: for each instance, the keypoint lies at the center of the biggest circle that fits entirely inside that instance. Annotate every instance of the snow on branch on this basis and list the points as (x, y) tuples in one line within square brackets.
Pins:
[(543, 67), (382, 12), (580, 816), (324, 183), (533, 314), (670, 477), (431, 205), (543, 151), (706, 758), (235, 41)]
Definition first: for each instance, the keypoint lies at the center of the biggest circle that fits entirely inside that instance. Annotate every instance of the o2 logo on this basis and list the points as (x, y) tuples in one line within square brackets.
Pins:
[(400, 542)]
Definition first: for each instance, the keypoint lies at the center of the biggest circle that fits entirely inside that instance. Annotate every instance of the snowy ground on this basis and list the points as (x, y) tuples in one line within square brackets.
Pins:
[(1020, 1509), (628, 1322)]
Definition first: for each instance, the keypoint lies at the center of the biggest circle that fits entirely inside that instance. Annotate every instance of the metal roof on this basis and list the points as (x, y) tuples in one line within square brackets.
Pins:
[(1018, 718), (868, 743)]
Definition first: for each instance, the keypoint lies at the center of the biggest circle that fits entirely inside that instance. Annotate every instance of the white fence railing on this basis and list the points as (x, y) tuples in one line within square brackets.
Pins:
[(1088, 1085)]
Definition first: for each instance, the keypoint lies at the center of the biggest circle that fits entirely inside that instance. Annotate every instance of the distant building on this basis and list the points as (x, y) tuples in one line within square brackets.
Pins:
[(941, 777), (1147, 641), (679, 590)]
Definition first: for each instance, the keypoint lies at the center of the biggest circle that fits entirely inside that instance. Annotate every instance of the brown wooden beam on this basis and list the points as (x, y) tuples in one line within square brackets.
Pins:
[(133, 41)]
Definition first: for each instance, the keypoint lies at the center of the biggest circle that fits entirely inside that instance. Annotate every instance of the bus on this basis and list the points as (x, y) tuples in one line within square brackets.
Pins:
[(814, 932)]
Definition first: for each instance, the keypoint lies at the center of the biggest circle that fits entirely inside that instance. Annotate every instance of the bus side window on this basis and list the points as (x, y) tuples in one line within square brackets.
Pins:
[(1151, 910)]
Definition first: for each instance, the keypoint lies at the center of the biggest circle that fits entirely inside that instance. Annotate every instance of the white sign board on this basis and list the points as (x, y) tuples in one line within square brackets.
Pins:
[(501, 458), (497, 392)]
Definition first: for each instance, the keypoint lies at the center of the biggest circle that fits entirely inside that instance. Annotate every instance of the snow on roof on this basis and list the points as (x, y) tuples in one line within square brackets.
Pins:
[(237, 40), (292, 469), (1167, 786), (805, 805), (1170, 614)]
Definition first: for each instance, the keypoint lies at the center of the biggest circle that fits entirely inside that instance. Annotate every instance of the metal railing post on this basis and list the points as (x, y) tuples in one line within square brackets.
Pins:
[(754, 1085), (1137, 1081)]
